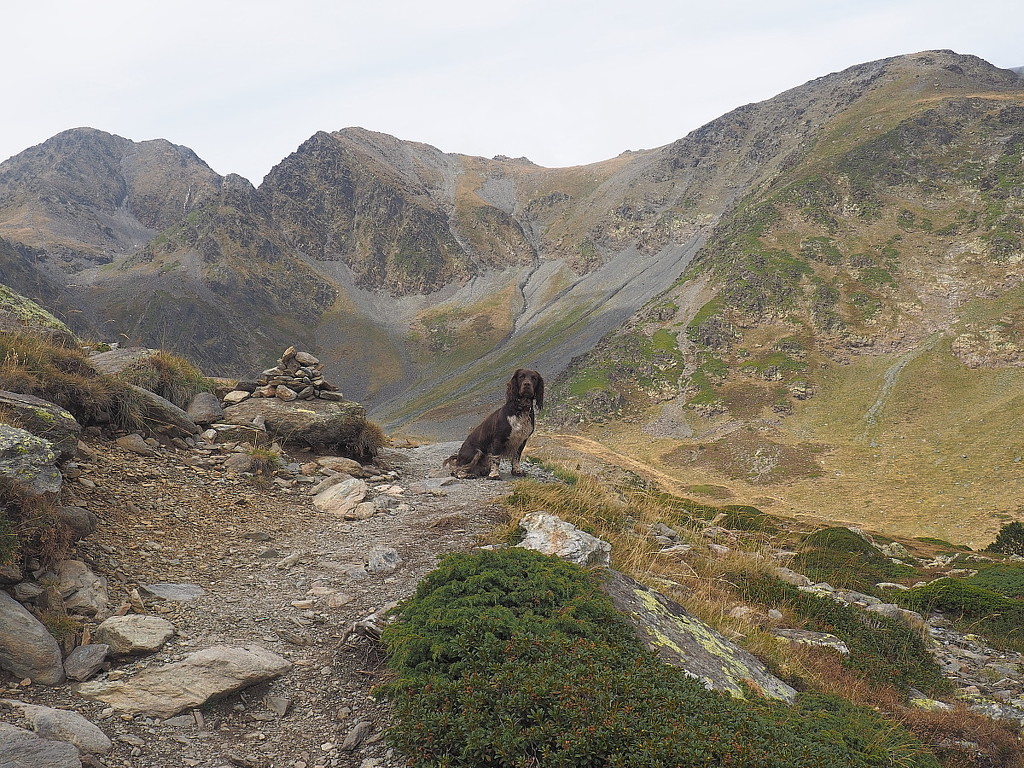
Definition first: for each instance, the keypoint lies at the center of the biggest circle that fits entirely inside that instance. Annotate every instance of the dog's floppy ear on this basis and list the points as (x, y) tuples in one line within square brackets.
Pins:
[(512, 388), (538, 394)]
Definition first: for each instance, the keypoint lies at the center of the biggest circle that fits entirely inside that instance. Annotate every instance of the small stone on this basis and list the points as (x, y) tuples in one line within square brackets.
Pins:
[(85, 661), (357, 736), (235, 397), (136, 443)]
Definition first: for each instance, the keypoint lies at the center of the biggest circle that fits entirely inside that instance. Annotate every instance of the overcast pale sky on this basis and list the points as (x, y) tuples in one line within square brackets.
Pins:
[(563, 82)]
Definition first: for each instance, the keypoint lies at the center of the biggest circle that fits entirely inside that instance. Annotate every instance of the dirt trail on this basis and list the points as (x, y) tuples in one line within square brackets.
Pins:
[(607, 456), (276, 573)]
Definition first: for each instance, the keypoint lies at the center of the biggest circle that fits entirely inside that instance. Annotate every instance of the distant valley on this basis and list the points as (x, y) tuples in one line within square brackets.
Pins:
[(812, 304)]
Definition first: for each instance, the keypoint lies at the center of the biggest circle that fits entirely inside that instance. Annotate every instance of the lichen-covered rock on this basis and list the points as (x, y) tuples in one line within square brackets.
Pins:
[(44, 419), (29, 461), (18, 313), (684, 641)]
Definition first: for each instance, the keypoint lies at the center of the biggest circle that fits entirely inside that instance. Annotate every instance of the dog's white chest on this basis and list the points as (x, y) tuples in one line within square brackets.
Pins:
[(522, 428)]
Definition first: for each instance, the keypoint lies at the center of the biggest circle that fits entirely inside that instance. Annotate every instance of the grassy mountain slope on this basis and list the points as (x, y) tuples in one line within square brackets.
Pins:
[(851, 326)]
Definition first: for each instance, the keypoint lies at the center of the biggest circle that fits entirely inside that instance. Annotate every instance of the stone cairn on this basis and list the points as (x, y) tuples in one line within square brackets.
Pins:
[(298, 376)]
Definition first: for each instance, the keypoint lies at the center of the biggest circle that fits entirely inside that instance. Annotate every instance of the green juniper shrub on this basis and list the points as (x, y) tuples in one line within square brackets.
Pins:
[(883, 649), (1005, 578), (998, 619), (842, 558), (512, 658), (1009, 540)]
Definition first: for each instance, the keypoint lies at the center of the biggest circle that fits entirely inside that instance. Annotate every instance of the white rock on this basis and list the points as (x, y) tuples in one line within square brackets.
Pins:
[(235, 397), (341, 498), (553, 536)]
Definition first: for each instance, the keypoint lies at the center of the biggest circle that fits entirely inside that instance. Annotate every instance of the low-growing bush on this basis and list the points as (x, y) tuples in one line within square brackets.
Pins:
[(843, 558), (1005, 578), (511, 658), (884, 650), (998, 619)]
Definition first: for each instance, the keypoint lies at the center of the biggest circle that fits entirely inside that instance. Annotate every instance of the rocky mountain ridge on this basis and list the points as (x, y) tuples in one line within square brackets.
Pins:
[(424, 272)]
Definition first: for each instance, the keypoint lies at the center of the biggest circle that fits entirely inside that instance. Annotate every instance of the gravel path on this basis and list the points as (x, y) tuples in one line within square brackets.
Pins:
[(276, 573)]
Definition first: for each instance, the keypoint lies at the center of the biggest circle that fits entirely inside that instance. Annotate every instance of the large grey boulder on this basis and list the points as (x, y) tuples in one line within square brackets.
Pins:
[(116, 360), (134, 633), (684, 641), (64, 725), (551, 535), (29, 461), (308, 422), (164, 416), (23, 749), (44, 419), (167, 690), (26, 648), (205, 409)]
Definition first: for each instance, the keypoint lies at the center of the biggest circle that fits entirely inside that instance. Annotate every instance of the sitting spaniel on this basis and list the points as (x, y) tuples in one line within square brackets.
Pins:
[(504, 433)]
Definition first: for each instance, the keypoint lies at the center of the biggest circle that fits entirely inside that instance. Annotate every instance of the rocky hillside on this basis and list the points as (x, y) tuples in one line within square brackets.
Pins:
[(426, 276), (853, 323)]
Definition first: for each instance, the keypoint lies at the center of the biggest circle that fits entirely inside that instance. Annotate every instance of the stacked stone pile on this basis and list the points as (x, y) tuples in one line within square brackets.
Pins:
[(297, 376)]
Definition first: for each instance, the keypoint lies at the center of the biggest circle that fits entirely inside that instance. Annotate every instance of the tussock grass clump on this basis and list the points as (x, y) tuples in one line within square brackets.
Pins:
[(512, 658), (172, 377), (32, 364), (30, 523)]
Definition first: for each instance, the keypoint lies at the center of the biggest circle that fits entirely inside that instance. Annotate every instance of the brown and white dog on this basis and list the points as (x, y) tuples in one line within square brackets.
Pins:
[(504, 433)]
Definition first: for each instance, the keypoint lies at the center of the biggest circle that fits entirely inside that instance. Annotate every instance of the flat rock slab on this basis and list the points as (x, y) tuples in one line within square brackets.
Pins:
[(85, 661), (684, 641), (167, 690), (311, 422), (177, 593)]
